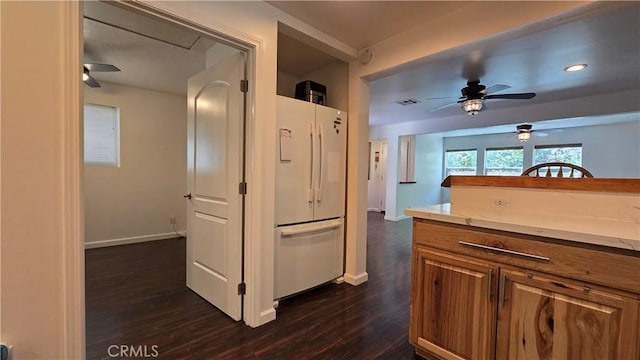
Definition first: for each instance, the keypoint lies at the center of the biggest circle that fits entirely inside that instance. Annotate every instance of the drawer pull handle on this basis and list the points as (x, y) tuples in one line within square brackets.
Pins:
[(503, 288), (485, 247)]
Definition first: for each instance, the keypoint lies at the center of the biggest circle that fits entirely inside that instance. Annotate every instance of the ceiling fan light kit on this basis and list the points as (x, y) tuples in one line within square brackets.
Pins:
[(474, 95), (472, 106), (524, 132), (524, 136)]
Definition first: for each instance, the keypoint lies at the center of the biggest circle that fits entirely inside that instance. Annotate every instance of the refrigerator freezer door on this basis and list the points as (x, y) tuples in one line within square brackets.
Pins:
[(331, 162), (308, 255), (294, 172)]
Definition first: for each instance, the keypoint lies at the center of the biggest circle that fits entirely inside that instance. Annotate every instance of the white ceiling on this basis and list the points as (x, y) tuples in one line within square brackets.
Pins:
[(364, 23), (528, 62), (145, 61)]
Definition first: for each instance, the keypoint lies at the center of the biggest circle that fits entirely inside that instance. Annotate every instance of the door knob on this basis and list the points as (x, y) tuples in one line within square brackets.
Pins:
[(187, 196)]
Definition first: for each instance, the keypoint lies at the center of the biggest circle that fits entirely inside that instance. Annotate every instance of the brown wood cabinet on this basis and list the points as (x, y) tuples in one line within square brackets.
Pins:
[(520, 301), (455, 305)]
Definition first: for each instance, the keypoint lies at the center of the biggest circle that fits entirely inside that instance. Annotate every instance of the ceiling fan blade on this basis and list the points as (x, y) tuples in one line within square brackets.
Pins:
[(511, 96), (101, 67), (496, 88), (441, 98), (444, 106), (91, 82)]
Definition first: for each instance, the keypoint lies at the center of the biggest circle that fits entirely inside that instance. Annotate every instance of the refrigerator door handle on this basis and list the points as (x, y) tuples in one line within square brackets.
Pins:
[(327, 226), (321, 140), (310, 190)]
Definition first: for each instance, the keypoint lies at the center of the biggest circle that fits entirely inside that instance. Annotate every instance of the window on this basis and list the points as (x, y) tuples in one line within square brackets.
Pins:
[(460, 162), (101, 135), (504, 161), (407, 159), (570, 153)]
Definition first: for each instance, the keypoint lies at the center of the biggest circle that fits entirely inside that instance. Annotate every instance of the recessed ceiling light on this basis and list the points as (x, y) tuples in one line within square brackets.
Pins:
[(576, 67)]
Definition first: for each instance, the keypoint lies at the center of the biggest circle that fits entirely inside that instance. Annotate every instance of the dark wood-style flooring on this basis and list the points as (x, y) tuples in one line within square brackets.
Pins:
[(136, 295)]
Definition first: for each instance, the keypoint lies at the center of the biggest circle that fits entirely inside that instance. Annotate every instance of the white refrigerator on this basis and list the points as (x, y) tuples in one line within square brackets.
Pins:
[(310, 195)]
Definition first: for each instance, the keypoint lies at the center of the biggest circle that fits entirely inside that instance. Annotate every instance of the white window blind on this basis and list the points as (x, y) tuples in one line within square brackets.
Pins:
[(101, 135)]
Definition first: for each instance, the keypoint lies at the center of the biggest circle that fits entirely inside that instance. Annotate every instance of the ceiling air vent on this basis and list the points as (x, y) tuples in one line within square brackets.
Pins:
[(408, 102)]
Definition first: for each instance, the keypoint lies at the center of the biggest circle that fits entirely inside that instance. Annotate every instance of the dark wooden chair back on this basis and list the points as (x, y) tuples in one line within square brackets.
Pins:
[(544, 170)]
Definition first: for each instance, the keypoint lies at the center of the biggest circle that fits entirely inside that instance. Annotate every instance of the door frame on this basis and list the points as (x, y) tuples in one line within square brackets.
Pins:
[(252, 314), (73, 193)]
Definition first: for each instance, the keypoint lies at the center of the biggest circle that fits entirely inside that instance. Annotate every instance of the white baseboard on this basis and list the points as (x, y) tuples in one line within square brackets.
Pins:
[(396, 218), (356, 280), (131, 240), (373, 209)]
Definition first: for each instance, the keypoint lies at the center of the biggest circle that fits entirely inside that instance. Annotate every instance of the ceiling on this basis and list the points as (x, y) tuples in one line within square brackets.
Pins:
[(533, 62), (608, 42), (527, 62), (364, 23), (151, 54)]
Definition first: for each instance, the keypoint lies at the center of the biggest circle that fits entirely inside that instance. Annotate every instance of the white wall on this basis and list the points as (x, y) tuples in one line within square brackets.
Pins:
[(42, 255), (334, 76), (608, 150), (428, 167), (287, 84), (133, 202)]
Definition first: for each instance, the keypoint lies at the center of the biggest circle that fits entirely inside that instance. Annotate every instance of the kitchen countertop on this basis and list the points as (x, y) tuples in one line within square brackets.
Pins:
[(611, 233)]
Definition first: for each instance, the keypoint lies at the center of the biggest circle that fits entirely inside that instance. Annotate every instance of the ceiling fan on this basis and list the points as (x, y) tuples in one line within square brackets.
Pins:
[(88, 68), (474, 94), (524, 132)]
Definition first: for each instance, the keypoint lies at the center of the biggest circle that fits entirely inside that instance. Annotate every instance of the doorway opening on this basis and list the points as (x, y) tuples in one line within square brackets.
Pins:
[(138, 200), (377, 178)]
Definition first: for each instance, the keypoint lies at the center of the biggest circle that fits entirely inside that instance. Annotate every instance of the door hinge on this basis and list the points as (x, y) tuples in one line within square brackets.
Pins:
[(244, 85), (242, 188), (242, 288)]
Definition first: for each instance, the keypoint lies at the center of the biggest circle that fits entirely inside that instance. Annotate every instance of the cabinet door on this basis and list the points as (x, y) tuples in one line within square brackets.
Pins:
[(542, 317), (453, 307)]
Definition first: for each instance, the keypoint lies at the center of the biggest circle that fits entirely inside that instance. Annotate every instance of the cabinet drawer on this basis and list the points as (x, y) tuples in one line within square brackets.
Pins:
[(615, 268)]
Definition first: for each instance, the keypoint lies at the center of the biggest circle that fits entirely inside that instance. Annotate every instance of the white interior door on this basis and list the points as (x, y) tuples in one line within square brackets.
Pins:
[(214, 172), (377, 186)]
